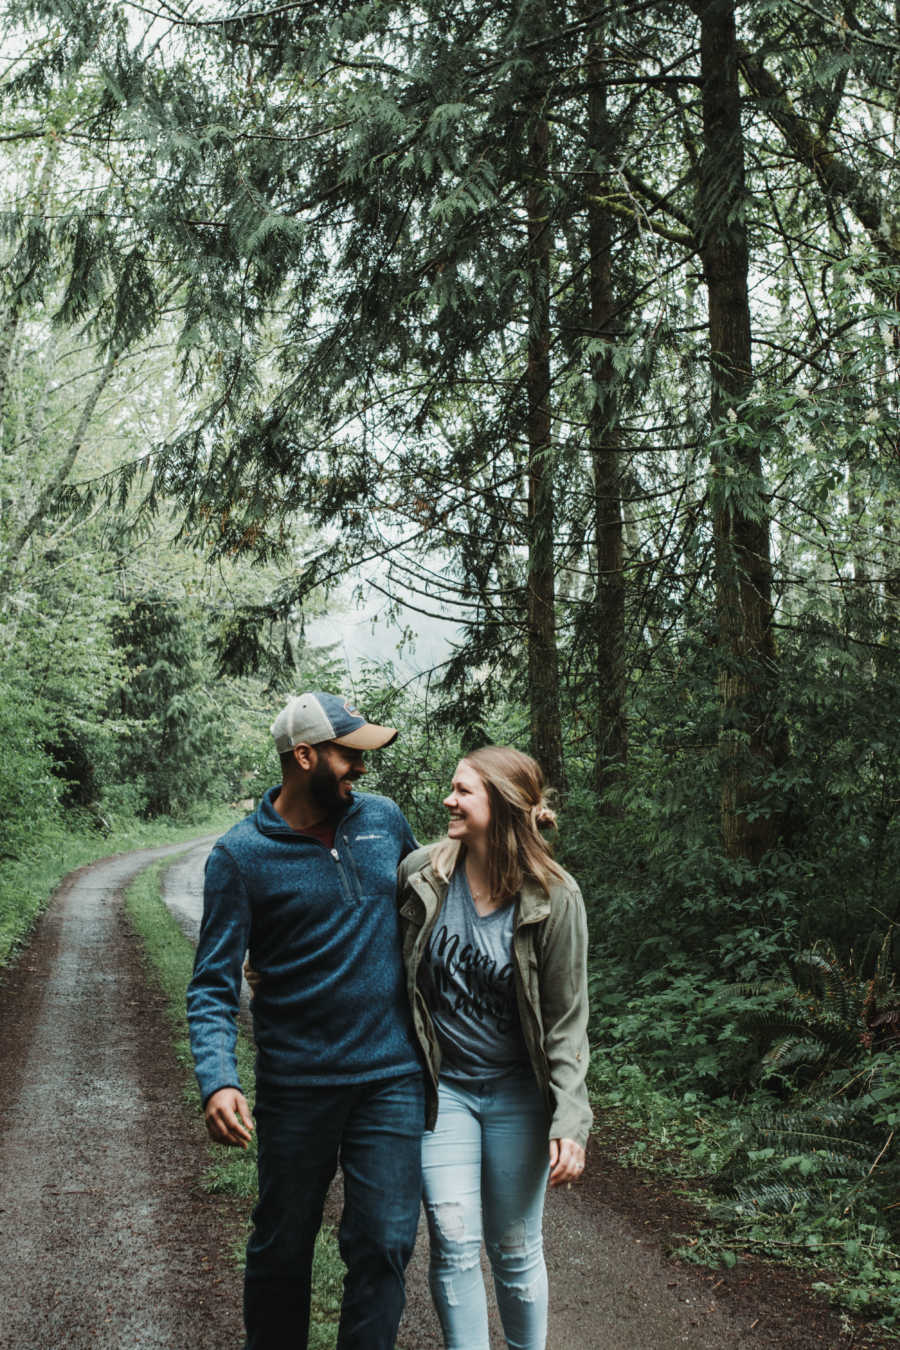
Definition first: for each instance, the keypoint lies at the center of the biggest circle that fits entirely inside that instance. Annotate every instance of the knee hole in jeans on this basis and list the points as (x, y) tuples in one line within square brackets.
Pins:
[(517, 1264), (452, 1248), (518, 1261), (513, 1240), (526, 1291), (449, 1220)]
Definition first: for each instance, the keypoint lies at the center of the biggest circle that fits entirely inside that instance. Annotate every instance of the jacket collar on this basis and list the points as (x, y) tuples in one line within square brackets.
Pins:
[(534, 903)]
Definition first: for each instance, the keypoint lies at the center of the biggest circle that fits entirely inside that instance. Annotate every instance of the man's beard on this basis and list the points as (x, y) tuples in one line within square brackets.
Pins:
[(325, 789)]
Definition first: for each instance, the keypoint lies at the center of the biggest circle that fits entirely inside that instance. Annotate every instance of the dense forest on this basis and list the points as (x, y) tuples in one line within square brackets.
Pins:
[(580, 322)]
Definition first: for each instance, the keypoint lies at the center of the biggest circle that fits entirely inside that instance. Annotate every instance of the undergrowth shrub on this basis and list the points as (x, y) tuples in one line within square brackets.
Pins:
[(29, 789), (821, 1138), (684, 1026)]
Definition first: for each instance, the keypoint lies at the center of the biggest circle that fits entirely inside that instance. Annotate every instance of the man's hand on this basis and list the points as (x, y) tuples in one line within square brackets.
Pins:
[(566, 1161), (228, 1117)]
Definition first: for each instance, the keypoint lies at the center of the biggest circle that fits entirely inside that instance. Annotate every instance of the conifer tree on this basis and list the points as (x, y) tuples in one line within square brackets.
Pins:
[(340, 196)]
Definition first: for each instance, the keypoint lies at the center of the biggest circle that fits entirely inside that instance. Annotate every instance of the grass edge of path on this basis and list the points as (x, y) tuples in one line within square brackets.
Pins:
[(170, 956), (28, 883)]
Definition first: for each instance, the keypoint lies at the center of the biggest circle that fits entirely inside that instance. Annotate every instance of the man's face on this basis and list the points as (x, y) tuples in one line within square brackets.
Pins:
[(331, 781)]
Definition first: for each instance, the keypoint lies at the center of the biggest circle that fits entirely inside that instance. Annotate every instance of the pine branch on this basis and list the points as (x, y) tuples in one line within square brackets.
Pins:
[(819, 155), (180, 19), (51, 491), (13, 317)]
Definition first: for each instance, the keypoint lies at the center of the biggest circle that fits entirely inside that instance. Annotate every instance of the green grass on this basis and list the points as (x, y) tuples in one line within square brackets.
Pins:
[(27, 883), (230, 1171)]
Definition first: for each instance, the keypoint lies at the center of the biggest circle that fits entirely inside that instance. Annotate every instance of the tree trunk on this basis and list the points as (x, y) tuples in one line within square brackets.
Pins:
[(890, 551), (747, 663), (543, 664), (11, 317), (611, 741)]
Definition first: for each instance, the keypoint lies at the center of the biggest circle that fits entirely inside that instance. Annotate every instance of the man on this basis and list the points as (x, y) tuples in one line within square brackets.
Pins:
[(308, 885)]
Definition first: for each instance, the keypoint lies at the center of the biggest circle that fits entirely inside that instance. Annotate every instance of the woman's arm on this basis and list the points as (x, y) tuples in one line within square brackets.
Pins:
[(564, 1013)]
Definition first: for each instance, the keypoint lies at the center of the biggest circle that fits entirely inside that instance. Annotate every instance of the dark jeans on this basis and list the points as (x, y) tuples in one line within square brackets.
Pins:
[(375, 1130)]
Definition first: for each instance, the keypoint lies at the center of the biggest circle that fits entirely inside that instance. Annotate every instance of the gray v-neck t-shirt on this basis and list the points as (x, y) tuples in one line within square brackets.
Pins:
[(466, 978)]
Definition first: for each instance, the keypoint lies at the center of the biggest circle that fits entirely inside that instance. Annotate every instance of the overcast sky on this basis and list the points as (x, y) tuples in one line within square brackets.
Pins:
[(366, 632)]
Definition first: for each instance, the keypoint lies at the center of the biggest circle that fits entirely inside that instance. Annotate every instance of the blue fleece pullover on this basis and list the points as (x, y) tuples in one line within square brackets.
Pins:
[(322, 931)]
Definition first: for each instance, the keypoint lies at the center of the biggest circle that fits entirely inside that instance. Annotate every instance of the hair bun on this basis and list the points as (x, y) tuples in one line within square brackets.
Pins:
[(544, 817)]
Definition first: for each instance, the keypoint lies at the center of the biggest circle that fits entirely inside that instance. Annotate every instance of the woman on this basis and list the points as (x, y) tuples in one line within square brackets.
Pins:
[(495, 943)]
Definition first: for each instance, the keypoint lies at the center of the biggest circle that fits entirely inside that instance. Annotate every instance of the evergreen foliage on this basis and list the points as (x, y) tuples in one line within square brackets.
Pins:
[(171, 749), (580, 322)]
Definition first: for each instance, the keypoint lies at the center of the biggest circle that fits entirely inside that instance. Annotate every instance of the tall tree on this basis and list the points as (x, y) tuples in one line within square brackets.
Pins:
[(543, 668), (611, 746), (748, 668), (339, 193)]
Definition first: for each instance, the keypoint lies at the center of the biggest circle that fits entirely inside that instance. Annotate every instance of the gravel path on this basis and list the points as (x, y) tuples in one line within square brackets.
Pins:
[(611, 1285), (106, 1240)]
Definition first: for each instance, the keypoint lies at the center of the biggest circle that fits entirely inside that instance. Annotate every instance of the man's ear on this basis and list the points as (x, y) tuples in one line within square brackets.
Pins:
[(305, 756)]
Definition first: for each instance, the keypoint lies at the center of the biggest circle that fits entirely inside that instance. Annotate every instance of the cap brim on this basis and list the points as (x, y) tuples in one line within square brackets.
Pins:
[(368, 737)]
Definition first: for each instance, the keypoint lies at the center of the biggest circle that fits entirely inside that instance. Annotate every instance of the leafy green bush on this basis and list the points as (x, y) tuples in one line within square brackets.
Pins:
[(29, 790), (683, 1027)]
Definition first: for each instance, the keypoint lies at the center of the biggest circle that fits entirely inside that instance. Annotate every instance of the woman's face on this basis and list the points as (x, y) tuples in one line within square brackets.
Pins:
[(468, 804)]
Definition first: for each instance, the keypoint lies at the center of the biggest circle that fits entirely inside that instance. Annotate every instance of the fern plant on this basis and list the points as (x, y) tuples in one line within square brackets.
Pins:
[(784, 1159), (824, 1144), (829, 1020)]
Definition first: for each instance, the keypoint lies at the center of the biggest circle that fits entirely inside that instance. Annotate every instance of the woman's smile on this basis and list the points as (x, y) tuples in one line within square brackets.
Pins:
[(468, 804)]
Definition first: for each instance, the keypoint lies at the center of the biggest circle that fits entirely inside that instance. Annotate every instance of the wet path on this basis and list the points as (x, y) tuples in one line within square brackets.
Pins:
[(609, 1288), (105, 1241)]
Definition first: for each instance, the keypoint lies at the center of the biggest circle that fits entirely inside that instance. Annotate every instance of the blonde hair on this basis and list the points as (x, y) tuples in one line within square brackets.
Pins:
[(516, 848)]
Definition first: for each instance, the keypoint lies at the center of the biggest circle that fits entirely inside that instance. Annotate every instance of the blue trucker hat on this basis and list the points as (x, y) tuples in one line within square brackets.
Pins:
[(317, 717)]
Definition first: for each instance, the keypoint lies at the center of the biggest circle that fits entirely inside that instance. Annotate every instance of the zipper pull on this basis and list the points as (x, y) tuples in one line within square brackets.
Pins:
[(335, 855)]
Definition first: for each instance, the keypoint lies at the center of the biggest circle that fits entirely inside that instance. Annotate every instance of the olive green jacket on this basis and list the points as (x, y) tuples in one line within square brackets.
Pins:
[(550, 973)]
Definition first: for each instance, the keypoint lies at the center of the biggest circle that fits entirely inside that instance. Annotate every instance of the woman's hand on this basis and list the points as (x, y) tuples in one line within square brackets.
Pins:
[(566, 1161)]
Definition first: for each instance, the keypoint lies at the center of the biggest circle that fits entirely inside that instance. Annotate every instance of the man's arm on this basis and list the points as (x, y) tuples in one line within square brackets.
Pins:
[(213, 996), (408, 841)]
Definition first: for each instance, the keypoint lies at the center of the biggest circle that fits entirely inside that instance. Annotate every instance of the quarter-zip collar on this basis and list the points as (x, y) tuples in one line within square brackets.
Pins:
[(270, 823)]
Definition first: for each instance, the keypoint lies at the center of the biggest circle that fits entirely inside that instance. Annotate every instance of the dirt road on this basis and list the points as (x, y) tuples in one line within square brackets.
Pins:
[(107, 1242), (105, 1239)]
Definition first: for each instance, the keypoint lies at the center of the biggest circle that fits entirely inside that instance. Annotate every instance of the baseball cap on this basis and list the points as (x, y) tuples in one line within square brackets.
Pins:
[(319, 717)]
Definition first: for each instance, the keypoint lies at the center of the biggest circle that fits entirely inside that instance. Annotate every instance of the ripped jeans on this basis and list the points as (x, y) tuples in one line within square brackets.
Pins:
[(485, 1170)]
